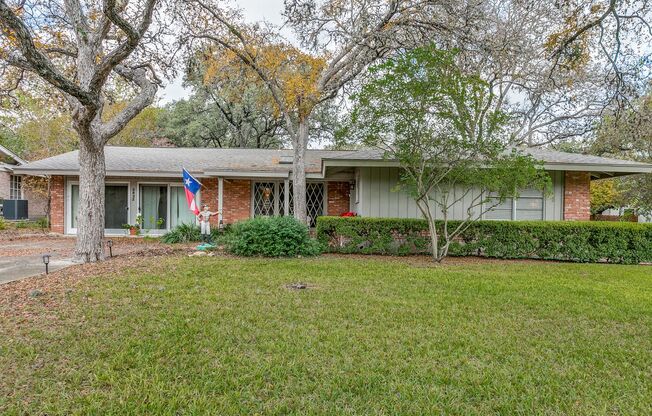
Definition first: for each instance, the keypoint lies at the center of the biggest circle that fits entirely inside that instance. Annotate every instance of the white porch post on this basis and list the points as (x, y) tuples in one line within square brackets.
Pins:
[(220, 194), (286, 197)]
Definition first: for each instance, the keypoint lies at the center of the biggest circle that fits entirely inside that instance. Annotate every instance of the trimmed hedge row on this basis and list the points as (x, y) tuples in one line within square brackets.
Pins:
[(585, 242)]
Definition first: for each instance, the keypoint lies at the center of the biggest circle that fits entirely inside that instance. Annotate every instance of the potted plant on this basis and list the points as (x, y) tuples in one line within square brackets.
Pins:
[(134, 229)]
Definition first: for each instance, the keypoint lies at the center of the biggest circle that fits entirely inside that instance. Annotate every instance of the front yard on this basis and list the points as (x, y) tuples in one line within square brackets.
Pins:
[(178, 335)]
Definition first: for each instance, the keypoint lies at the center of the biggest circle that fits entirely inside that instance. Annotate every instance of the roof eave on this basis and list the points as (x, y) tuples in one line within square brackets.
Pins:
[(598, 167), (581, 167), (12, 155)]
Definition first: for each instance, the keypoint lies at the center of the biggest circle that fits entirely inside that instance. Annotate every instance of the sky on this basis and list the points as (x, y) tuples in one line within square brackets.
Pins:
[(253, 11)]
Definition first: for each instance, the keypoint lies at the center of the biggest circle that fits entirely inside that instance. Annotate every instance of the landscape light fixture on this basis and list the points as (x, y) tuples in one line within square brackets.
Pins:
[(109, 244), (46, 261)]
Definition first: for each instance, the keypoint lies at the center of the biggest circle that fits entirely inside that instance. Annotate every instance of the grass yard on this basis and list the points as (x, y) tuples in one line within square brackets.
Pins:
[(187, 336)]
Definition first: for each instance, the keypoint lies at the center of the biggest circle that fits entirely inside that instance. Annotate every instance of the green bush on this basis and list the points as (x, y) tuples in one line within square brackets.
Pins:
[(42, 223), (183, 233), (3, 225), (614, 242), (271, 237), (188, 233)]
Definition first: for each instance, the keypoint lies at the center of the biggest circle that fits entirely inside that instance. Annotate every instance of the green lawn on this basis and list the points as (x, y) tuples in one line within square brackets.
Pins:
[(225, 336)]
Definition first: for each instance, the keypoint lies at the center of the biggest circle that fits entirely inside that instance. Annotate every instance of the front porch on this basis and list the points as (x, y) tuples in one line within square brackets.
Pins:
[(159, 204)]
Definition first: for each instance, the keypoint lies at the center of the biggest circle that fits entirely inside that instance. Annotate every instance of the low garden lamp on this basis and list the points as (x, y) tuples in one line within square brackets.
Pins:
[(109, 244), (46, 261)]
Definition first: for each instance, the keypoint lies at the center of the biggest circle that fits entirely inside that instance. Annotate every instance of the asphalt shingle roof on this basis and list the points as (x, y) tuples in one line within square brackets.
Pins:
[(543, 155), (171, 159), (199, 160)]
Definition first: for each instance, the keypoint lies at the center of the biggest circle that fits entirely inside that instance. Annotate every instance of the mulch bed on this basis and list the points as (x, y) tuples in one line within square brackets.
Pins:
[(62, 246)]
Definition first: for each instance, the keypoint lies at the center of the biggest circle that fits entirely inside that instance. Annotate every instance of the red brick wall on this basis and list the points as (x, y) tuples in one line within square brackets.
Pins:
[(209, 197), (577, 196), (56, 209), (236, 200), (339, 194)]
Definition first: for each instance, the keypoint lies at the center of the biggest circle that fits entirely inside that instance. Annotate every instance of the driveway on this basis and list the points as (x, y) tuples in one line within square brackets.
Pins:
[(21, 256)]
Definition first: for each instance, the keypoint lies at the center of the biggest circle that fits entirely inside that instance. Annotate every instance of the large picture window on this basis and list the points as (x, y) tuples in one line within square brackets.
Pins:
[(116, 206)]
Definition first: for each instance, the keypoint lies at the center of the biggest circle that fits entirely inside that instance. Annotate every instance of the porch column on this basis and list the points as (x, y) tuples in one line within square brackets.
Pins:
[(286, 197), (577, 196), (220, 195)]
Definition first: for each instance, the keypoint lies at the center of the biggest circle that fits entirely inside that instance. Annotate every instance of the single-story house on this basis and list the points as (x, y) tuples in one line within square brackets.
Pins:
[(12, 187), (245, 183)]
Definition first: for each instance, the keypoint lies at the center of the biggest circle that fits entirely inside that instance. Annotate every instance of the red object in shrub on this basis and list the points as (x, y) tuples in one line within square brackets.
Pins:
[(349, 214)]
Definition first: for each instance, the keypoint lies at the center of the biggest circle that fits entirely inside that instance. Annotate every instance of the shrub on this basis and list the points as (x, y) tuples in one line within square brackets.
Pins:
[(629, 243), (271, 237), (188, 233), (3, 225), (183, 233), (42, 223)]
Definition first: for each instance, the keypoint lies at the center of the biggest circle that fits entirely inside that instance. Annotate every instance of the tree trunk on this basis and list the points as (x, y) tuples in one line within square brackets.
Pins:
[(424, 207), (299, 143), (90, 219)]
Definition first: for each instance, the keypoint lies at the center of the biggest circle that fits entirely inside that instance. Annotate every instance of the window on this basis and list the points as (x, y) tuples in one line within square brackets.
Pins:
[(268, 199), (15, 187), (116, 206), (179, 211), (154, 206), (501, 210), (314, 201), (528, 206)]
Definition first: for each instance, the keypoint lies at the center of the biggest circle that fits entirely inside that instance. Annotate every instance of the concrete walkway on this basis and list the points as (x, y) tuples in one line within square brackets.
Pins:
[(16, 268), (21, 256)]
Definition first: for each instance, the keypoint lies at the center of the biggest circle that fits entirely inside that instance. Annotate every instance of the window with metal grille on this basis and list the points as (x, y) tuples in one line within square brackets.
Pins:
[(314, 201), (268, 199), (265, 199), (16, 187)]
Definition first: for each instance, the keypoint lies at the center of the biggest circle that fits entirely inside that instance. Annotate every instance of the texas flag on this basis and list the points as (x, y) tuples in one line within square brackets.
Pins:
[(192, 186)]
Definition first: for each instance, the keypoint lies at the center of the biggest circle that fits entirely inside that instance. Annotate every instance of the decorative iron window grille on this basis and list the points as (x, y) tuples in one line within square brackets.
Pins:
[(314, 201), (265, 199), (269, 199)]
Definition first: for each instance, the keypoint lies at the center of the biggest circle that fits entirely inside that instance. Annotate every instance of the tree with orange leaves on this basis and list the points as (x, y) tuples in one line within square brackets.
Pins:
[(359, 33)]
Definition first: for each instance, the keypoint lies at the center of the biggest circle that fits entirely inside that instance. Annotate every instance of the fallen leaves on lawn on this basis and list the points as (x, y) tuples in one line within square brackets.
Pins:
[(24, 300)]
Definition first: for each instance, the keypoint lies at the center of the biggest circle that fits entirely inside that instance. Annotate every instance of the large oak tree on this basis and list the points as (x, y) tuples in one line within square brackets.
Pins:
[(85, 50)]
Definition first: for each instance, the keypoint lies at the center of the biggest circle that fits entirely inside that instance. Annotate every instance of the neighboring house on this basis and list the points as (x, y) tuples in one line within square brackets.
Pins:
[(244, 183), (12, 187)]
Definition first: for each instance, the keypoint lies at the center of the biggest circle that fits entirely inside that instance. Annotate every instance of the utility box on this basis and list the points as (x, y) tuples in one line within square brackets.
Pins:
[(15, 209)]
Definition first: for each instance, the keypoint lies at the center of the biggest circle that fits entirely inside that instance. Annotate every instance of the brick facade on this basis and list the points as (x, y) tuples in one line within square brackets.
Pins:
[(209, 197), (57, 207), (339, 198), (577, 196), (236, 200)]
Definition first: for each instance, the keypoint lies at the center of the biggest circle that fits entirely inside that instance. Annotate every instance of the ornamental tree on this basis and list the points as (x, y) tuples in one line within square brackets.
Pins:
[(443, 128)]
